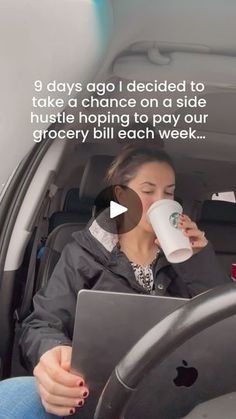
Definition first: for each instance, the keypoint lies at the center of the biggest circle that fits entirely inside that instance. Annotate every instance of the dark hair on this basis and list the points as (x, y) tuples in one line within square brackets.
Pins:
[(125, 166)]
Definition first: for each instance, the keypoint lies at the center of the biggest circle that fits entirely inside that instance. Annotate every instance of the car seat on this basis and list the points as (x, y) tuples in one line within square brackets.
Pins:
[(218, 220), (92, 183), (74, 211)]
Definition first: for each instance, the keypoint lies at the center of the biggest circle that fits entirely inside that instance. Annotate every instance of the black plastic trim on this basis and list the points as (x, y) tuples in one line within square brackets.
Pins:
[(13, 198)]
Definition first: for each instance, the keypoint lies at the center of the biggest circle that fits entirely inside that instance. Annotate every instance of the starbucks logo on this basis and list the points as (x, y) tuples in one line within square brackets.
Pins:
[(174, 219)]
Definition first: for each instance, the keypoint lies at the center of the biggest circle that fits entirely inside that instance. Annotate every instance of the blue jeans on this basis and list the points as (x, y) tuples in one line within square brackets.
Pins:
[(19, 399)]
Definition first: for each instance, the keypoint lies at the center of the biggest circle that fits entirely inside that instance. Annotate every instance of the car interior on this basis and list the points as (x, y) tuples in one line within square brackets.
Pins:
[(71, 205), (51, 193)]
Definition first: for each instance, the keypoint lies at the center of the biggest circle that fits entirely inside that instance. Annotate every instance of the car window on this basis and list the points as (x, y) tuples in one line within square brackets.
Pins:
[(4, 185), (224, 196)]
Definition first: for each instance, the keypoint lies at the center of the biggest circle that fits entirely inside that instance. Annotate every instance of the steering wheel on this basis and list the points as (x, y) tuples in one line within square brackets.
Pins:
[(159, 342)]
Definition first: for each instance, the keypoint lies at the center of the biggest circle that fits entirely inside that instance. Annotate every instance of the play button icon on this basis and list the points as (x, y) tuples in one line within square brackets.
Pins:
[(118, 209)]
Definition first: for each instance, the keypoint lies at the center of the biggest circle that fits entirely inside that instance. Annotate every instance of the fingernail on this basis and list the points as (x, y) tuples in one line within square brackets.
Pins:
[(80, 403), (85, 394), (72, 411), (80, 383)]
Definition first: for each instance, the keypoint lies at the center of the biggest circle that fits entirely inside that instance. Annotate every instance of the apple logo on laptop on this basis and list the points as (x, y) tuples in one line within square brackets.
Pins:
[(186, 376)]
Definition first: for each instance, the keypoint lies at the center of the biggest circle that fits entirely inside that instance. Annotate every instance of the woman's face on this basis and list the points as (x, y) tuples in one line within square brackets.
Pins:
[(153, 181)]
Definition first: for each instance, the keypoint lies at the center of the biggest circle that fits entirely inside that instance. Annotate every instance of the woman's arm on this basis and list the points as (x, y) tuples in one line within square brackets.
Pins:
[(52, 320), (202, 271), (47, 335)]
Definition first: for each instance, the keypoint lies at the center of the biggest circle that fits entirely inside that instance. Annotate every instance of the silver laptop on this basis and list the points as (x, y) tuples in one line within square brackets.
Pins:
[(108, 324)]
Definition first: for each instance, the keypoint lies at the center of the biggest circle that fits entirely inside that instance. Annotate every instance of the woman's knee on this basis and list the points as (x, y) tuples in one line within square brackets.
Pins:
[(19, 398)]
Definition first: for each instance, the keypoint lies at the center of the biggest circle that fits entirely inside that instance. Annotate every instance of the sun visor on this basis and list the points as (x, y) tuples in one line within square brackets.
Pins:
[(211, 69)]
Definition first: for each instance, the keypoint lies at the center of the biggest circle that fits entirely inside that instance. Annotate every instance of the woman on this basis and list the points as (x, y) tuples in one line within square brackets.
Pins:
[(131, 262)]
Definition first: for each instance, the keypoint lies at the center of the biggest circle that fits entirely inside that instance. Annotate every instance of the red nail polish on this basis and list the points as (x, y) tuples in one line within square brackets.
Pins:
[(85, 394), (80, 403), (80, 383), (72, 411)]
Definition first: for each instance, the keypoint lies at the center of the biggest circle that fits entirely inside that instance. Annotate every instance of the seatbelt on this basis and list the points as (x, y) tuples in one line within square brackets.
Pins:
[(24, 309)]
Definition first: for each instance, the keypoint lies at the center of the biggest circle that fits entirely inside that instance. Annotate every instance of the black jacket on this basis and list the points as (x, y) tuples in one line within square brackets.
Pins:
[(95, 261)]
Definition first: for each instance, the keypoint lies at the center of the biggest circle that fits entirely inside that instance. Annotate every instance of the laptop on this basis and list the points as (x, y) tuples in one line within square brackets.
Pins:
[(108, 324)]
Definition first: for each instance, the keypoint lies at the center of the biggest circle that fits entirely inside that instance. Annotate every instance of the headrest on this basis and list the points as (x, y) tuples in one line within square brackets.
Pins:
[(72, 203), (218, 212), (93, 179)]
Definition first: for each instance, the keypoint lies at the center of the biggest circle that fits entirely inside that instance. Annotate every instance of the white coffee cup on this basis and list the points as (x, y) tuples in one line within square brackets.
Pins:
[(164, 218)]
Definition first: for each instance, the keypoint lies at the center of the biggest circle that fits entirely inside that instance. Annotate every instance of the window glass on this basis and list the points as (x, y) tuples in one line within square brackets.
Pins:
[(4, 186), (224, 196)]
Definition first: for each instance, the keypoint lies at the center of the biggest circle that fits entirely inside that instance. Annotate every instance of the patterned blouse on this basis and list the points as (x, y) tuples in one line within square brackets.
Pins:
[(144, 275)]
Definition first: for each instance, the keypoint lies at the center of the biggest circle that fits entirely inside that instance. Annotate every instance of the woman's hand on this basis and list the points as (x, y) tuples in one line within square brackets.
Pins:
[(191, 230), (60, 390)]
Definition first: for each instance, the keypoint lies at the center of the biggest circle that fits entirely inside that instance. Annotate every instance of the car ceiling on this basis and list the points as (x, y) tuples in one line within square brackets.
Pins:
[(174, 22), (187, 33)]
